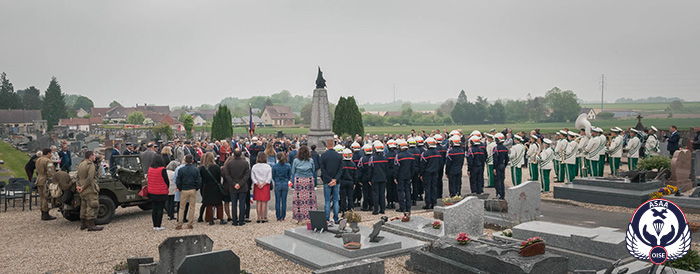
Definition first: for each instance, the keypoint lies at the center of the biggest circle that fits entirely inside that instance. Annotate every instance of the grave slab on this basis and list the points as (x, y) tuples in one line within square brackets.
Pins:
[(329, 242), (216, 262), (419, 227), (366, 266), (602, 195), (174, 249)]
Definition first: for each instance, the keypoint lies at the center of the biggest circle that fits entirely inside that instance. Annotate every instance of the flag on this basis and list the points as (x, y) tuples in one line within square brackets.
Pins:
[(251, 125)]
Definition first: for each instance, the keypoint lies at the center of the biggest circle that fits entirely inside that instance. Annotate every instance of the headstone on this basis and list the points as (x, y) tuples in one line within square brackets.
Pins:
[(93, 145), (351, 237), (174, 249), (80, 137), (374, 236), (45, 142), (524, 201), (215, 262), (680, 170), (465, 216), (318, 220), (320, 129), (76, 146), (134, 262), (366, 266)]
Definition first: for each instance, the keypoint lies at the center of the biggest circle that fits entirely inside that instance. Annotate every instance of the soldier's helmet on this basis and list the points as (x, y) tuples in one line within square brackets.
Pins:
[(476, 133), (454, 132)]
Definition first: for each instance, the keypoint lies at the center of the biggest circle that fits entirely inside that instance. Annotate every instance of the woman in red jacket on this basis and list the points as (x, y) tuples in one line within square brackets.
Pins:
[(158, 184)]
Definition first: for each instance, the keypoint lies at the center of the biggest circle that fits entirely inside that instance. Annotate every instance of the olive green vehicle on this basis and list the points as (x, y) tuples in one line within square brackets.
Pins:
[(120, 189)]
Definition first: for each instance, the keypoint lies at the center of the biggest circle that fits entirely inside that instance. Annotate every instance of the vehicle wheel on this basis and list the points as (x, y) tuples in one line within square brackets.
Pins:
[(72, 215), (105, 211), (146, 206)]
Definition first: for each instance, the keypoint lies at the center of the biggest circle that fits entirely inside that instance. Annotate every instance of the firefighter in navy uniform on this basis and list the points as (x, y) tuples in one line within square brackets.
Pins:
[(365, 177), (500, 162), (442, 150), (454, 162), (420, 142), (476, 160), (429, 169), (391, 193), (356, 156), (415, 181), (405, 167), (347, 182), (378, 167)]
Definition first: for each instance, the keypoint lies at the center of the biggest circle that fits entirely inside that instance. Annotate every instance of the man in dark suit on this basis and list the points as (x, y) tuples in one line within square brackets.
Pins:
[(331, 170), (673, 139)]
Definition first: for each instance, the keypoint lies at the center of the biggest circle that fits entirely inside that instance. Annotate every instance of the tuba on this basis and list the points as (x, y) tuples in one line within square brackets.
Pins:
[(583, 123)]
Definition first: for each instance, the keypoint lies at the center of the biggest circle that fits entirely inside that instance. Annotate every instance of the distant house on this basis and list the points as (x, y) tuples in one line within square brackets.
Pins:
[(256, 120), (80, 124), (160, 118), (82, 113), (589, 112), (120, 113), (198, 120), (22, 120), (278, 116), (392, 114)]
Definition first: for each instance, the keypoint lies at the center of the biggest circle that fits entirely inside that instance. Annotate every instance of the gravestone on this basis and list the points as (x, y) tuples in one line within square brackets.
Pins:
[(374, 236), (215, 262), (174, 249), (465, 216), (45, 142), (318, 220), (80, 136), (352, 237), (320, 129), (93, 145), (75, 146), (680, 170), (524, 202)]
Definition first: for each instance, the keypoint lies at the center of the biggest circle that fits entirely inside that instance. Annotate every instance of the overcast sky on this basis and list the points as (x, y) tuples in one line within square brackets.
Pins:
[(194, 52)]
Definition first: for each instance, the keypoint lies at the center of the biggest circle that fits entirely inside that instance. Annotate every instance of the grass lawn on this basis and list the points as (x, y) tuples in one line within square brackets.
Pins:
[(14, 160), (661, 124), (639, 106)]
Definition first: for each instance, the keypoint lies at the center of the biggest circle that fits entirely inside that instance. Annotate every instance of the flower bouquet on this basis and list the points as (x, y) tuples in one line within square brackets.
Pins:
[(447, 201), (531, 247), (462, 238), (437, 225), (507, 233)]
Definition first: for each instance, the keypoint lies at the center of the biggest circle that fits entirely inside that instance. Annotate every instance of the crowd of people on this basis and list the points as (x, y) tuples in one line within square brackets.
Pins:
[(372, 173)]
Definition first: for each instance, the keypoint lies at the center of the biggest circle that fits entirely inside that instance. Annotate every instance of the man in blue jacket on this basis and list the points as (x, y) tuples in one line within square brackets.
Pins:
[(331, 170), (429, 169), (188, 181), (673, 140), (66, 161), (365, 177), (378, 167), (476, 160), (405, 166), (453, 165), (500, 161)]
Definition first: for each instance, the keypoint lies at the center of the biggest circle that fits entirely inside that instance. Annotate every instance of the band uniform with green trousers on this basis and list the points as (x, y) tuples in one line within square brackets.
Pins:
[(517, 156), (633, 145), (545, 159), (570, 157), (89, 192)]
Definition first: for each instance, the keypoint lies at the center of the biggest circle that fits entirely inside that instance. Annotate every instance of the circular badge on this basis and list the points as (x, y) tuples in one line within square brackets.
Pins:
[(658, 255)]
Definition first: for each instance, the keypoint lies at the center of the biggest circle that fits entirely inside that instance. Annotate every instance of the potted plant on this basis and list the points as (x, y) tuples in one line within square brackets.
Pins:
[(353, 218), (531, 247), (463, 238), (447, 201), (437, 225), (456, 199)]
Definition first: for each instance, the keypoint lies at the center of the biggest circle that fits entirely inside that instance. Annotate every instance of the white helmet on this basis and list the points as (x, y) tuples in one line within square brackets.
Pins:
[(419, 141), (355, 146), (476, 133), (456, 141), (391, 143), (339, 148), (403, 145), (475, 139), (367, 149), (499, 137), (431, 142), (347, 154), (378, 146), (411, 142), (454, 132), (255, 139), (438, 137)]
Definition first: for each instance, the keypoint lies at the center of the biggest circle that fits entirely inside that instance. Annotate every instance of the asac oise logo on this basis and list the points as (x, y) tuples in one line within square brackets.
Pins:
[(658, 232)]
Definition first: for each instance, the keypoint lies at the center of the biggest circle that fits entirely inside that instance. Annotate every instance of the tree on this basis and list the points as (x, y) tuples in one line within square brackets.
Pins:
[(462, 97), (221, 127), (268, 102), (339, 124), (31, 98), (114, 104), (135, 118), (564, 105), (516, 110), (163, 129), (497, 113), (84, 103), (8, 98), (536, 109), (446, 107), (188, 123), (306, 114), (53, 107), (676, 106), (354, 122)]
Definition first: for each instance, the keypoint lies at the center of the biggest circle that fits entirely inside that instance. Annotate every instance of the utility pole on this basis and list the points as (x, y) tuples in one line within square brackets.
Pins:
[(602, 91), (394, 92)]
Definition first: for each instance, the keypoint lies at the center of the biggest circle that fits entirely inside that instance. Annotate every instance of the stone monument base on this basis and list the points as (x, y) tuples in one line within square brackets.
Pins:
[(318, 138)]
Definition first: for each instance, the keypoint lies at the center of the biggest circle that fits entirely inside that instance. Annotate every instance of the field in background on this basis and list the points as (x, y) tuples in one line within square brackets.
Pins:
[(14, 160), (661, 124), (651, 107)]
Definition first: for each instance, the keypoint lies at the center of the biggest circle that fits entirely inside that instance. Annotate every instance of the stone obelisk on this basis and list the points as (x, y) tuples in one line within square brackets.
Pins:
[(320, 129)]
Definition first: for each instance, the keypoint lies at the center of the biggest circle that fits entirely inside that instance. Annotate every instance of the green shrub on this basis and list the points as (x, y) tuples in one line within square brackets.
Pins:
[(689, 262), (654, 162)]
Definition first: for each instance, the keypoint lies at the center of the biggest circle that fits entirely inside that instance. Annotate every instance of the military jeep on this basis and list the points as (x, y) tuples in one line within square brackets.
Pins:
[(118, 189)]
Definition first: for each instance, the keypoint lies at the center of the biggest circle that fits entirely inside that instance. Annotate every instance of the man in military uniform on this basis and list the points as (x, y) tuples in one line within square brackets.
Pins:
[(130, 149), (89, 192), (416, 182), (443, 151), (651, 146), (601, 150), (45, 169), (392, 195), (405, 166), (582, 161)]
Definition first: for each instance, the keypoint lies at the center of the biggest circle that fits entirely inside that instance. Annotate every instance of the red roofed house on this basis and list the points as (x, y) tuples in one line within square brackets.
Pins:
[(278, 116)]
